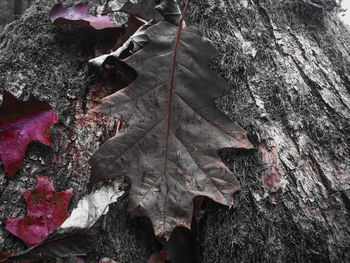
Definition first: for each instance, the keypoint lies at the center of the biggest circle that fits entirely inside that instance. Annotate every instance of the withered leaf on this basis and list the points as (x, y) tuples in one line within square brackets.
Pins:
[(173, 129)]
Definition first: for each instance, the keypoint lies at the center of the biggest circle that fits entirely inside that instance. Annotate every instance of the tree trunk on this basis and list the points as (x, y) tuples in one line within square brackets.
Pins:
[(288, 63), (17, 8)]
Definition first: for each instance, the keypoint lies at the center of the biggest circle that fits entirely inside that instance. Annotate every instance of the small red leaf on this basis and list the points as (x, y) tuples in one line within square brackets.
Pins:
[(47, 209), (158, 257), (20, 124), (79, 15)]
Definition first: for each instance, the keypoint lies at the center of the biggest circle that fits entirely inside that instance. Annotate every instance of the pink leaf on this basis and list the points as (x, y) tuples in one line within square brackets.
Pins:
[(47, 209), (79, 15), (20, 124)]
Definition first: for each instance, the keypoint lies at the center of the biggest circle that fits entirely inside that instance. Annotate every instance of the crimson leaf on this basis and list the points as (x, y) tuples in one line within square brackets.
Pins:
[(47, 209), (77, 242), (78, 234), (173, 129), (20, 124)]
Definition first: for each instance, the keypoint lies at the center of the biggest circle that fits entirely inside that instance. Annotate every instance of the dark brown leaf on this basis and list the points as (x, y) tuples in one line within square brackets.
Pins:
[(133, 25), (158, 257), (168, 146), (170, 10)]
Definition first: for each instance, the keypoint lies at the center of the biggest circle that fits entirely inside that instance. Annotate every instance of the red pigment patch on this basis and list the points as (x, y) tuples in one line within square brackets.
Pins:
[(46, 209), (271, 177)]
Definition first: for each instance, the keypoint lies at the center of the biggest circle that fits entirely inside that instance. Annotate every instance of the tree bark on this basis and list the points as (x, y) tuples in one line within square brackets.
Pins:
[(288, 64)]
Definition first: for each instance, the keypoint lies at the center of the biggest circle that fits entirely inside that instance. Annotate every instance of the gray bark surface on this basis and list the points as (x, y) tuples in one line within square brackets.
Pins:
[(288, 63)]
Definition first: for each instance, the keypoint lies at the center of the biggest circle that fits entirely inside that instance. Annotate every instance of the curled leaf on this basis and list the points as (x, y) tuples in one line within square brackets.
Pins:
[(143, 9), (170, 10), (22, 122), (92, 207), (133, 25), (136, 42)]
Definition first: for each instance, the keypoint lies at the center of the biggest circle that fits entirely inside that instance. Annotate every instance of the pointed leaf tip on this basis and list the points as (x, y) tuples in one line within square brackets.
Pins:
[(47, 209), (22, 122)]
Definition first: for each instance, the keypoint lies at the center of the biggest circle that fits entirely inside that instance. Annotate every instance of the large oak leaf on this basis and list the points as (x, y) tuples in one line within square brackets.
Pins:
[(172, 130)]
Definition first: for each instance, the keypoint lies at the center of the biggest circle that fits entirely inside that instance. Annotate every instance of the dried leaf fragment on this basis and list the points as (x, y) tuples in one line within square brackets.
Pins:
[(20, 124), (91, 207)]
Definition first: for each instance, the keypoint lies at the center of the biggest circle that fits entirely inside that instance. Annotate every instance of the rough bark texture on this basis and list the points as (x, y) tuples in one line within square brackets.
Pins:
[(11, 9), (288, 63)]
